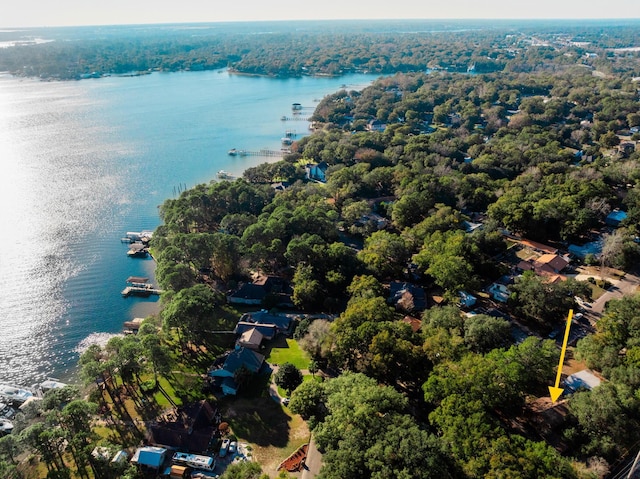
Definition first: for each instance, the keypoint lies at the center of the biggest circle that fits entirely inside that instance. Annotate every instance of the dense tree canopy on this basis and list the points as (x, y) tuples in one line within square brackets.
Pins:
[(531, 145)]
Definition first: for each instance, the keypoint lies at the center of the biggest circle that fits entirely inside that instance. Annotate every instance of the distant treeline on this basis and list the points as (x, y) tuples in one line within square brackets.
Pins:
[(330, 48)]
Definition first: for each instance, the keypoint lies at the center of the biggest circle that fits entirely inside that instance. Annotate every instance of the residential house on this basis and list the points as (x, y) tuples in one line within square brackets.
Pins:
[(239, 358), (256, 292), (499, 292), (614, 218), (376, 125), (316, 171), (248, 293), (282, 322), (524, 265), (539, 247), (372, 218), (268, 331), (470, 227), (584, 379), (550, 264), (414, 323), (467, 300), (251, 338), (407, 296), (592, 248), (280, 186), (187, 428)]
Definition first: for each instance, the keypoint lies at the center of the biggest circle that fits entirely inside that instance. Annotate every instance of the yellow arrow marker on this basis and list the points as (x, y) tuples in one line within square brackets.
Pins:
[(555, 391)]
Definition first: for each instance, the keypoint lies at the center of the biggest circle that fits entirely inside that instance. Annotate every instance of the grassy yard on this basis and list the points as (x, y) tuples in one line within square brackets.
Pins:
[(272, 431), (596, 291), (288, 351)]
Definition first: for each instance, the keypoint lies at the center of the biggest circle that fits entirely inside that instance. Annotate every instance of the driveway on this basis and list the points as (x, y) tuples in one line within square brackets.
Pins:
[(313, 462), (623, 287)]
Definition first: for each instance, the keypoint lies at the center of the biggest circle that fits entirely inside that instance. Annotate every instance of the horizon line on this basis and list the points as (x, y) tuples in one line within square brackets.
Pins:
[(328, 20)]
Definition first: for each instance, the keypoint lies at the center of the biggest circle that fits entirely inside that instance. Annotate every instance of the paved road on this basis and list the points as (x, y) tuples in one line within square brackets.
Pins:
[(313, 462)]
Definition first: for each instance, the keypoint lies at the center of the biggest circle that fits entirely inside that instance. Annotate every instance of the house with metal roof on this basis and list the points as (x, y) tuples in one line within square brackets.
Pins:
[(241, 357), (149, 457), (584, 379), (614, 218), (251, 338)]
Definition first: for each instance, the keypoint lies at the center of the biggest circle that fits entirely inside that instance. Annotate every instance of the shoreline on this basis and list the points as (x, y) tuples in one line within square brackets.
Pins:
[(83, 314), (230, 70)]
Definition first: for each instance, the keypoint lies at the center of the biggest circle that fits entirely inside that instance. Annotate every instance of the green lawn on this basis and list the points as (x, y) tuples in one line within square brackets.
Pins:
[(289, 352), (596, 291)]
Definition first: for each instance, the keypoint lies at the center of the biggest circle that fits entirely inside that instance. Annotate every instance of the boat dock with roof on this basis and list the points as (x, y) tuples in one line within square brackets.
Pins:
[(138, 286)]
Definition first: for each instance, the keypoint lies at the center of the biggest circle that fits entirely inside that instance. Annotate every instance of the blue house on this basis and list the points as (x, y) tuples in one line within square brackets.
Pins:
[(467, 300), (241, 357), (316, 171), (614, 218)]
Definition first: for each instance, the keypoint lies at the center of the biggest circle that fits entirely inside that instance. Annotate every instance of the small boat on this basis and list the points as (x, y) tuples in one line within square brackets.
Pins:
[(6, 426), (14, 394), (137, 250), (133, 236), (232, 152), (51, 383), (138, 253), (223, 175)]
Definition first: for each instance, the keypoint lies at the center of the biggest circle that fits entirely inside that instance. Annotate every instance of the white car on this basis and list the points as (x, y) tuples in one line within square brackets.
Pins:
[(285, 401), (233, 447)]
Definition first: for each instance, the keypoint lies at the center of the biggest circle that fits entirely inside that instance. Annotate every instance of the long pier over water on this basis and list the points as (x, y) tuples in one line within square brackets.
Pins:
[(263, 152)]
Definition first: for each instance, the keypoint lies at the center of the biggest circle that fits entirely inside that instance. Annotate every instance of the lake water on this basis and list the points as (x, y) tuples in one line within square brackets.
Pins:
[(83, 162)]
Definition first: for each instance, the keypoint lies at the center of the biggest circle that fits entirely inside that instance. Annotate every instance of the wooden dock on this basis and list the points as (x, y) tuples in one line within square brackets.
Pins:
[(294, 118), (263, 152), (138, 286), (144, 291)]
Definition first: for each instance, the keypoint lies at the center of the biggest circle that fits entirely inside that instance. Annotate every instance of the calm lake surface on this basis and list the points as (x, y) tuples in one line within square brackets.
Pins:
[(83, 162)]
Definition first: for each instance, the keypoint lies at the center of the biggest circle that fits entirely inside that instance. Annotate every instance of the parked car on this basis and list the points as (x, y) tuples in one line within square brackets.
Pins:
[(233, 447), (285, 401), (224, 448)]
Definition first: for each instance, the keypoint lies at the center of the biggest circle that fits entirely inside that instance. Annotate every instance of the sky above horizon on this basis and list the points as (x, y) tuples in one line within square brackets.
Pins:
[(29, 13)]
